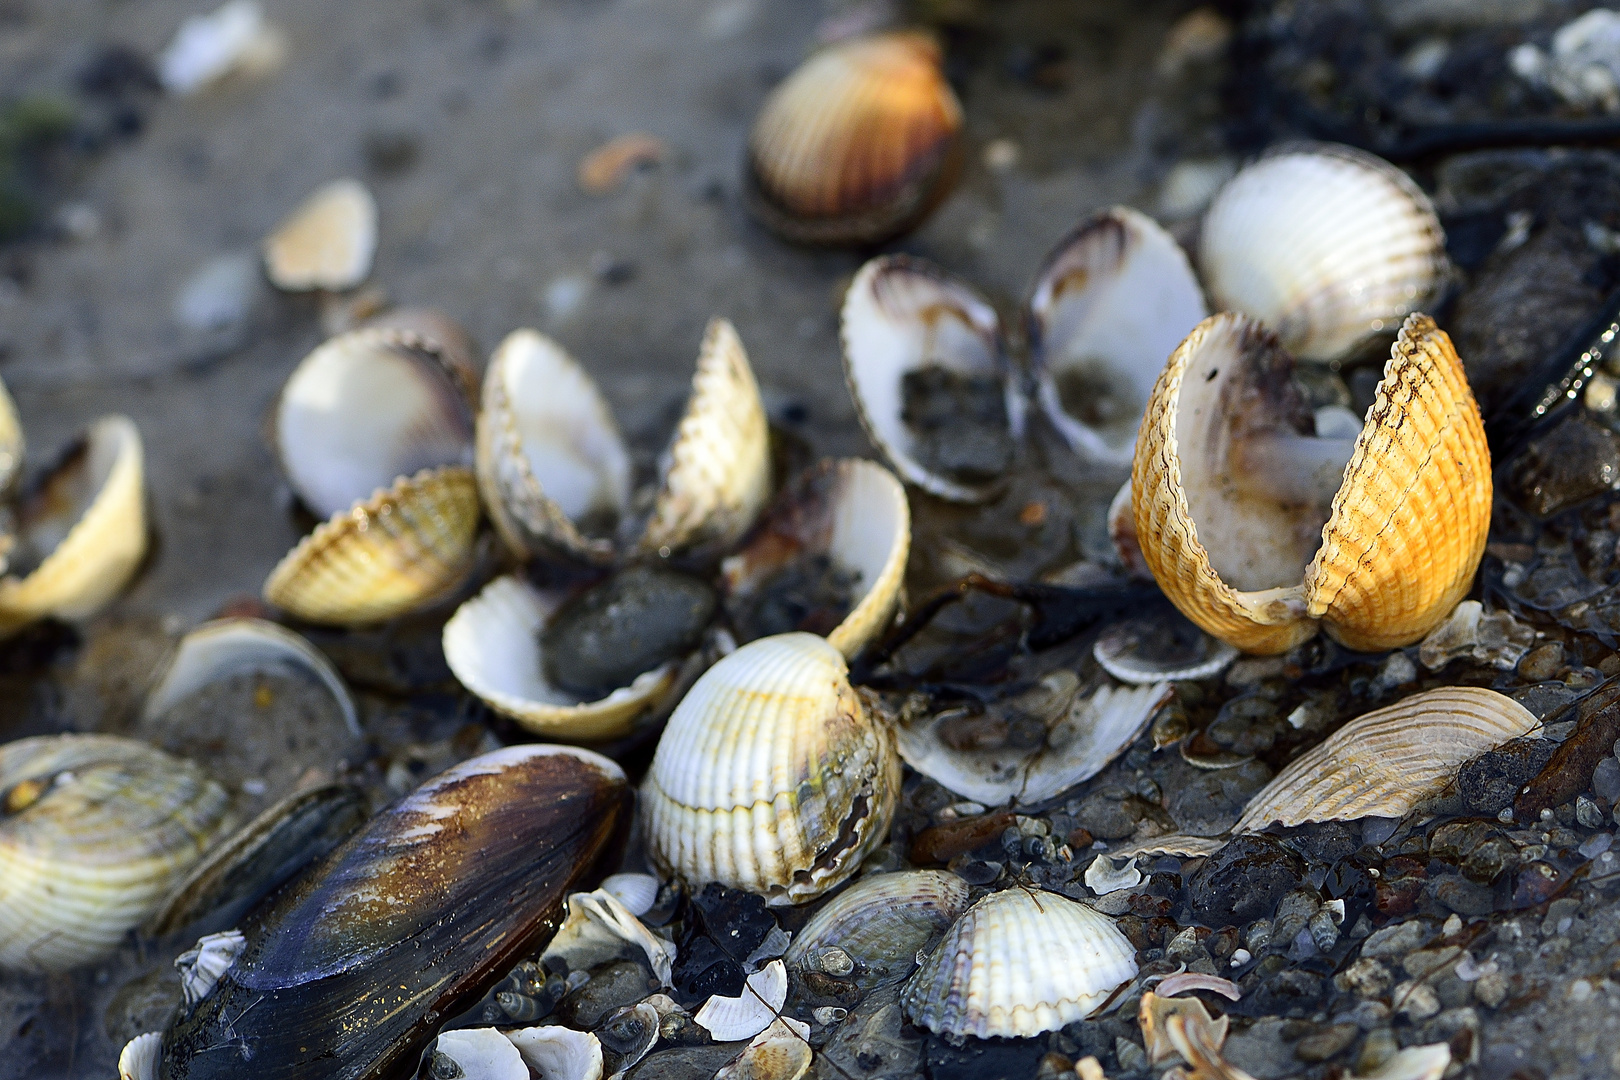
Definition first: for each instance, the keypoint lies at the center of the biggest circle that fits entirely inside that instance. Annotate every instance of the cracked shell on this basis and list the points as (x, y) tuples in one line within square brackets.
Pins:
[(1259, 531), (772, 775)]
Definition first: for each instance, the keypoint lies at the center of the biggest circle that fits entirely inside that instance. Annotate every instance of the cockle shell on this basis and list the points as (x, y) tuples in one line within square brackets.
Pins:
[(1325, 244), (881, 922), (327, 242), (1020, 962), (94, 831), (85, 523), (772, 776), (1407, 523), (401, 549), (858, 144), (11, 443), (856, 513)]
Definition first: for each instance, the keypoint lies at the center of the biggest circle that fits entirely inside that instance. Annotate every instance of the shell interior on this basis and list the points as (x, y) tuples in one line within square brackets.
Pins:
[(599, 928), (327, 242), (482, 1054), (751, 1012), (1164, 647), (559, 1052), (780, 1052)]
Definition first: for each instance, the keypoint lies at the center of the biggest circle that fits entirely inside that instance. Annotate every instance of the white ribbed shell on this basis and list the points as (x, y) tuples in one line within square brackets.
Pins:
[(771, 776), (1020, 962)]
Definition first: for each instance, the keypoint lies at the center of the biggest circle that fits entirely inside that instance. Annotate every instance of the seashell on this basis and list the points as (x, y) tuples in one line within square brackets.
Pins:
[(558, 1053), (327, 242), (141, 1057), (849, 512), (491, 645), (1383, 764), (1402, 512), (202, 965), (1020, 962), (232, 38), (771, 775), (1114, 299), (1083, 734), (637, 892), (628, 1034), (1182, 1028), (881, 922), (1183, 847), (1497, 639), (1104, 876), (902, 316), (400, 550), (81, 530), (11, 443), (603, 170), (1428, 1062), (780, 1052), (731, 1018), (1184, 981), (549, 453), (444, 334), (369, 406), (717, 475), (470, 869), (222, 648), (1324, 244), (1122, 533), (478, 1054), (1154, 649), (94, 831), (858, 145), (599, 928)]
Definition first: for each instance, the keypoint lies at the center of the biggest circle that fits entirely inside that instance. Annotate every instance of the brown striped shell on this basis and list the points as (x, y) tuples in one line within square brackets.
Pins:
[(1229, 525)]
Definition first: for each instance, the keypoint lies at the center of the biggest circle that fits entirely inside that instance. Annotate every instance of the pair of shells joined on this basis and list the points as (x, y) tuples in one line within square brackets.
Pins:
[(772, 775), (1236, 500), (94, 830), (1110, 303), (858, 145), (375, 432), (1018, 963)]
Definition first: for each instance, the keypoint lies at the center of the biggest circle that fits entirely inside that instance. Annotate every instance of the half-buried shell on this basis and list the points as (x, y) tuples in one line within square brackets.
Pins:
[(772, 775), (327, 242)]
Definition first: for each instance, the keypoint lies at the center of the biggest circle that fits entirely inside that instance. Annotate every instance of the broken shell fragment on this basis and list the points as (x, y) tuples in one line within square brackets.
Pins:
[(81, 529), (201, 966), (1324, 244), (141, 1057), (604, 169), (772, 775), (1242, 500), (1160, 648), (327, 242), (829, 557), (400, 550), (232, 38), (780, 1052), (637, 892), (1104, 876), (599, 928), (94, 831), (751, 1012), (881, 923), (1020, 962), (1385, 763), (858, 144)]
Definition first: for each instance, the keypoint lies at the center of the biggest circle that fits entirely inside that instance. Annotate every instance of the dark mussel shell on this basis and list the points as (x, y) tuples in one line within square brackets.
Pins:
[(349, 973)]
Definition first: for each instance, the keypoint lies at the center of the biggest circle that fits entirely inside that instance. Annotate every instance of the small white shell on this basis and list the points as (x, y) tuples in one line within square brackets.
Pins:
[(327, 242), (882, 921), (1020, 962), (599, 928), (492, 645), (202, 965), (1324, 244), (637, 892), (559, 1053), (482, 1054), (1103, 876), (11, 442), (731, 1018), (141, 1057), (780, 1052)]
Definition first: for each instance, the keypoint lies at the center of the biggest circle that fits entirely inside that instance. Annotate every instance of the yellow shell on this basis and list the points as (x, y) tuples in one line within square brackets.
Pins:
[(1407, 522), (858, 144), (327, 242), (397, 551)]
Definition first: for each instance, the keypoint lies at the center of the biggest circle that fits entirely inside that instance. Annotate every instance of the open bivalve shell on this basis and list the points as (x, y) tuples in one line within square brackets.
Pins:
[(858, 144), (94, 830), (850, 512), (81, 529), (1237, 500), (880, 923), (1324, 244), (1020, 962), (327, 242), (772, 775)]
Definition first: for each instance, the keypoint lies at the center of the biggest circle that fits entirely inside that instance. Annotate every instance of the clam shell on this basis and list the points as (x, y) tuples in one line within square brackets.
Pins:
[(1161, 647), (201, 966), (856, 513), (1325, 244), (901, 314), (882, 922), (549, 452), (327, 243), (88, 519), (400, 550), (1020, 962), (1384, 763), (141, 1057), (637, 892), (11, 442), (95, 831), (482, 1054), (1114, 299), (858, 144), (771, 776), (445, 334), (366, 407), (492, 645), (718, 475)]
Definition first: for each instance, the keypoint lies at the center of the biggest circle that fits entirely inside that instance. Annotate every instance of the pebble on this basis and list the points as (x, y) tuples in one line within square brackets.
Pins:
[(220, 294), (1588, 813), (1606, 780), (1593, 846), (1365, 978), (1326, 1042), (1416, 1000), (986, 1059), (1210, 802), (1542, 662), (1243, 881), (1490, 782), (1398, 940), (1490, 990)]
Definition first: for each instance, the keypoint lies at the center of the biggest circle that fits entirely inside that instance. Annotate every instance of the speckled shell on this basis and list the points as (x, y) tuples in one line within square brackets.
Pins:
[(327, 243), (1324, 244), (11, 443), (1384, 763), (855, 512), (858, 144), (549, 451), (1020, 962), (400, 550), (91, 565), (1407, 525), (492, 645), (718, 475), (94, 832), (882, 921), (771, 776)]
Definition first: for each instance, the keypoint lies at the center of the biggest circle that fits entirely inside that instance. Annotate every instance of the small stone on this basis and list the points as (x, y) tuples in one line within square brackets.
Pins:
[(1424, 962), (1396, 671), (1588, 813), (1416, 1000), (1578, 459), (1248, 671), (1606, 780), (1451, 926), (1365, 978), (1593, 846), (1490, 782), (1379, 1046), (1243, 881), (1560, 916), (1132, 1058), (1542, 662), (1326, 1043), (1490, 990), (1463, 896), (1396, 941)]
